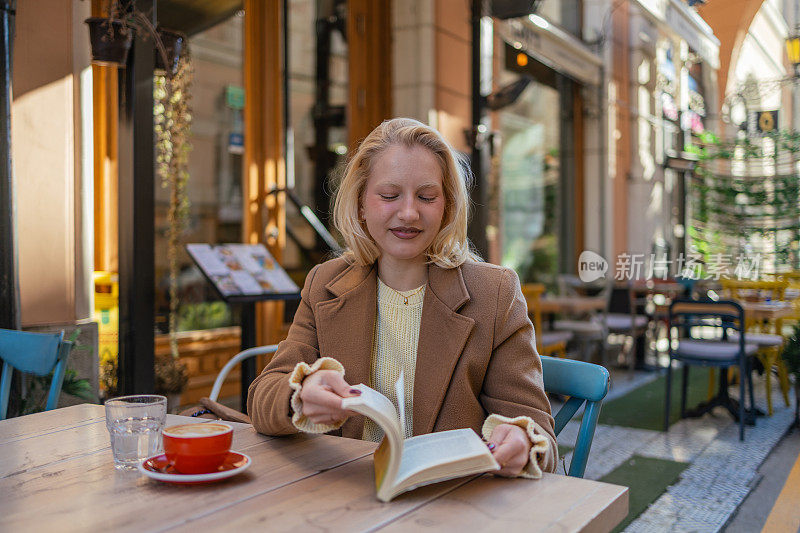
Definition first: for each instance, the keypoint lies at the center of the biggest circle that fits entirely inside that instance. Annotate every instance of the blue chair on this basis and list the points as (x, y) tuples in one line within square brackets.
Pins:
[(33, 353), (583, 383)]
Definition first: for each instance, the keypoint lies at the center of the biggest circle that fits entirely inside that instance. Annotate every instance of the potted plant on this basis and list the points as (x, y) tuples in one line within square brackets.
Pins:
[(791, 358), (171, 378), (111, 36), (110, 41), (174, 43)]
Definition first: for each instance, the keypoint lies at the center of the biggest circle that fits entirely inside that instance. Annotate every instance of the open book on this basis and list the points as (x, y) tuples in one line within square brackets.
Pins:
[(404, 464)]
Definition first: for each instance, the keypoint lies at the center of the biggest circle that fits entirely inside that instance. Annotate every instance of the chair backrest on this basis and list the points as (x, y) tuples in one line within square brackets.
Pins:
[(533, 294), (724, 315), (747, 289), (583, 383), (33, 353), (235, 360), (571, 285), (621, 298)]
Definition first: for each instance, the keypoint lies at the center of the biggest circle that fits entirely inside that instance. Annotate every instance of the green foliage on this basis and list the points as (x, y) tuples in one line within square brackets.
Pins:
[(171, 375), (39, 387), (172, 111), (204, 315), (730, 210), (791, 353), (541, 264)]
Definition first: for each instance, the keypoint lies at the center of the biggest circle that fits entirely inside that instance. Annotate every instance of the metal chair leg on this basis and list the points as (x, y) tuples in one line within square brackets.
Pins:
[(741, 401), (783, 379), (768, 358), (751, 388), (684, 390), (669, 389)]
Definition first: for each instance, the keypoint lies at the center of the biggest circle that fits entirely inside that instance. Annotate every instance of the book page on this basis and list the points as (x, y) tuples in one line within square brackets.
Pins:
[(425, 451), (376, 406), (379, 408)]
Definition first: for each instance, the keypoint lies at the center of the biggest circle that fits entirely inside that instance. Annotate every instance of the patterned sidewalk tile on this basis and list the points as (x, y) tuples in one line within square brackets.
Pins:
[(722, 469)]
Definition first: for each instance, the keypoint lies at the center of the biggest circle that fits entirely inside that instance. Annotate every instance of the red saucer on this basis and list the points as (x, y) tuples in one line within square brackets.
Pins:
[(157, 467)]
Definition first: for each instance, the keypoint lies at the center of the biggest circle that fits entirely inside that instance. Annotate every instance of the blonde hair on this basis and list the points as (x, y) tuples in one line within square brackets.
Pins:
[(450, 248)]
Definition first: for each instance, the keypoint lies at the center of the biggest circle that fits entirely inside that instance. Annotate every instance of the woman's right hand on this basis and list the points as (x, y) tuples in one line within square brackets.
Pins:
[(322, 394)]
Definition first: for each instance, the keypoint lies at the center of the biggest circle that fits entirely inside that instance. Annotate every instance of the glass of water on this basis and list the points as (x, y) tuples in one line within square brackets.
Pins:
[(135, 424)]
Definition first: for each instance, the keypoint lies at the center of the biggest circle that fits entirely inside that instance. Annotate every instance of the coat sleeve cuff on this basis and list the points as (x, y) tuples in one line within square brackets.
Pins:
[(540, 445), (300, 372)]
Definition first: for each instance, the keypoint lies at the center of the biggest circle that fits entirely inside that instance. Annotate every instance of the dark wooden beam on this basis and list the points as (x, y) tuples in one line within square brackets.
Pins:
[(9, 287), (479, 138), (136, 217)]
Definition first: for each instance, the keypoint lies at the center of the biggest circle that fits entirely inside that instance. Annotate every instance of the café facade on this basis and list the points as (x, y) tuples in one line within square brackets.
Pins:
[(586, 156)]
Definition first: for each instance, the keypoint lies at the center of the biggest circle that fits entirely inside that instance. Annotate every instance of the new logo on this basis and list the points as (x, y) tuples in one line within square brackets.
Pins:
[(591, 266)]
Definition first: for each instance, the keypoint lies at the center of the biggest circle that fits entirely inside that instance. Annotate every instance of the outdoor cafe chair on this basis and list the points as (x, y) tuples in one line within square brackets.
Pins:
[(758, 332), (583, 383), (209, 406), (547, 342), (235, 360), (725, 320), (622, 318), (619, 316), (589, 330), (33, 353)]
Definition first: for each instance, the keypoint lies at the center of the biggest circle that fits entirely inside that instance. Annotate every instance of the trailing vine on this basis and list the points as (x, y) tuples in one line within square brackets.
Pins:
[(173, 118), (744, 189)]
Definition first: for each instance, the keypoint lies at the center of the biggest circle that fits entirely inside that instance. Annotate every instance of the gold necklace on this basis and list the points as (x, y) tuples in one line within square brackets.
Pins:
[(405, 298)]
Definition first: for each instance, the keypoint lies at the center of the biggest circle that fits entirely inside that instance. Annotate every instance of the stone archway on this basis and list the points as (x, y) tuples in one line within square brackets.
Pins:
[(730, 20)]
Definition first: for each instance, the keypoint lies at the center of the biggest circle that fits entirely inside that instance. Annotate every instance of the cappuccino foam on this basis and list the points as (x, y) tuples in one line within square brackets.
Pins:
[(197, 430)]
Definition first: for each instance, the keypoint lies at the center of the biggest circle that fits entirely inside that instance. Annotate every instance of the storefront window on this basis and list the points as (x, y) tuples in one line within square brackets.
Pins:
[(564, 13), (318, 85), (215, 177), (530, 178)]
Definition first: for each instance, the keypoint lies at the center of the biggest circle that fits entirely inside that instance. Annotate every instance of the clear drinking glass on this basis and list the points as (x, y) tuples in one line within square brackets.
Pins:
[(135, 424)]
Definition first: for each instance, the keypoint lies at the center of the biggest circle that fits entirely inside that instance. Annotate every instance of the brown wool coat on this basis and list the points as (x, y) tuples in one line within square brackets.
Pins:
[(476, 354)]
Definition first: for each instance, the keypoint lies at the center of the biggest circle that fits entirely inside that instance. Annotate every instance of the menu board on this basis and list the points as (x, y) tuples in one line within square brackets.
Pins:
[(243, 272)]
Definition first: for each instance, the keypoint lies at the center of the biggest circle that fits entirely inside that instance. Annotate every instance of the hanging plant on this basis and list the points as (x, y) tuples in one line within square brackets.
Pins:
[(744, 189), (111, 37), (174, 42), (173, 118), (110, 43)]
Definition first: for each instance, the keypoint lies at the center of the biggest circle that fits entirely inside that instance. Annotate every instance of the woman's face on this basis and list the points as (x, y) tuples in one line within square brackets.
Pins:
[(403, 203)]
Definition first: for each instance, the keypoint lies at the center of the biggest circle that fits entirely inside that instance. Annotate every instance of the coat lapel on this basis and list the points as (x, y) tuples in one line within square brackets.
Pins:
[(442, 337), (346, 326)]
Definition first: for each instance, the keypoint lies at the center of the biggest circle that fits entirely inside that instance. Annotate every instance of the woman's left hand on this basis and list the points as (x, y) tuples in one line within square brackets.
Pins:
[(511, 448)]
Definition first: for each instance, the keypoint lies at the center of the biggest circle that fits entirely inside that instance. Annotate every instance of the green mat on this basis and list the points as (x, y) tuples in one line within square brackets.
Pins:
[(643, 407), (647, 479)]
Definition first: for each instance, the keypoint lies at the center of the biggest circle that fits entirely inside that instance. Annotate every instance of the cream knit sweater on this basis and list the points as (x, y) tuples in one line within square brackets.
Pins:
[(394, 350)]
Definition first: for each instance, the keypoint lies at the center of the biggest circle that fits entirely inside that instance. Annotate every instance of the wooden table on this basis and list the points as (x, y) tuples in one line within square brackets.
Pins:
[(752, 310), (767, 311), (57, 474), (571, 304)]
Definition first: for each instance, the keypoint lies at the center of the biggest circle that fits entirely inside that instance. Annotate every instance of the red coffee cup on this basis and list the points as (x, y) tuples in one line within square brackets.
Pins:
[(197, 448)]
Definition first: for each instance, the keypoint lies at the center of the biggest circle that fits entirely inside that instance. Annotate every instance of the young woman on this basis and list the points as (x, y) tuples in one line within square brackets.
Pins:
[(409, 295)]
